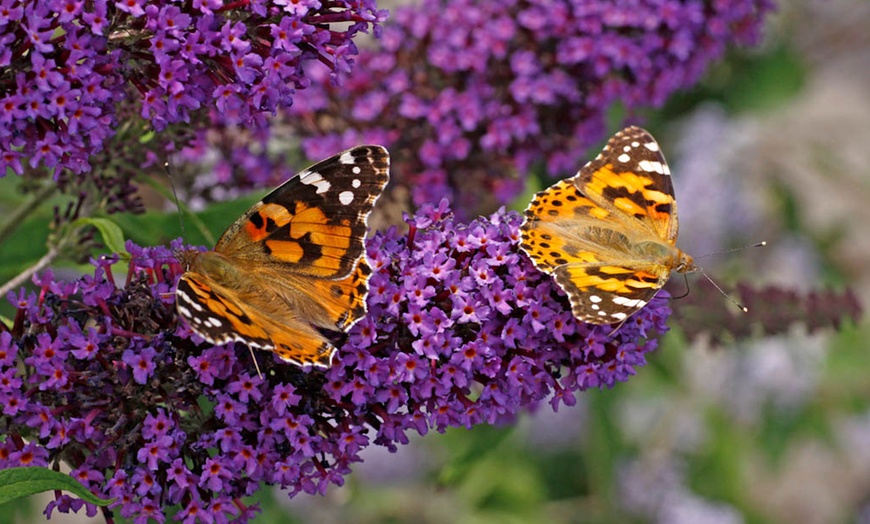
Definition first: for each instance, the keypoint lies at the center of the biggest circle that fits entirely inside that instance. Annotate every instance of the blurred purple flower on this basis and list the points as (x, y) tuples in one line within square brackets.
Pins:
[(470, 96), (67, 65), (130, 416)]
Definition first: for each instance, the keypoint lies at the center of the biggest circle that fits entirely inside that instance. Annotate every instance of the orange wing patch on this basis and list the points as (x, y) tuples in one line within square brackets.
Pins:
[(265, 220), (325, 244), (345, 299), (301, 345)]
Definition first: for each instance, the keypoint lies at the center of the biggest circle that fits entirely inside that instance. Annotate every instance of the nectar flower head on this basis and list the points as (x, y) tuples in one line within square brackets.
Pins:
[(493, 88), (192, 427), (66, 66)]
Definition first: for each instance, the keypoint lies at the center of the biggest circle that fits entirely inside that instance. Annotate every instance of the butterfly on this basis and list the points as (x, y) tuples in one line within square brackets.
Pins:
[(292, 264), (608, 234)]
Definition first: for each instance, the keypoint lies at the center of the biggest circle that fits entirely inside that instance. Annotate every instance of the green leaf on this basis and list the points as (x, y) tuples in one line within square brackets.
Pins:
[(16, 483), (147, 137), (112, 235)]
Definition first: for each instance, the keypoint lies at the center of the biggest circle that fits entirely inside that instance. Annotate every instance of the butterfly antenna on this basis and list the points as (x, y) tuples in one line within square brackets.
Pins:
[(710, 280), (168, 167), (740, 248), (726, 295)]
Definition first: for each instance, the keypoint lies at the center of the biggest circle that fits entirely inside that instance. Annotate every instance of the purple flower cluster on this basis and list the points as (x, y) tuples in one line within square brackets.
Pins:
[(461, 330), (224, 162), (470, 95), (66, 64)]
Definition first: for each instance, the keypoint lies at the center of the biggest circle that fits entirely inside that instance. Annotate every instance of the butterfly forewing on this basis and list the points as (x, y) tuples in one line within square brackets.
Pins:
[(604, 294), (315, 222), (214, 315), (631, 177)]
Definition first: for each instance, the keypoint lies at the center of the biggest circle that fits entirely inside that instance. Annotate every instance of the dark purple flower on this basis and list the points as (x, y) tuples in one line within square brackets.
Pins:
[(141, 362), (493, 88), (79, 62)]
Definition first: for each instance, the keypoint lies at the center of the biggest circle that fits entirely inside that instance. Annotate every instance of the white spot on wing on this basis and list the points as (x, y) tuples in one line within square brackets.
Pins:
[(623, 158), (213, 322), (594, 299), (626, 148), (619, 316), (186, 298), (356, 170), (347, 158), (628, 302), (356, 182), (345, 197), (651, 166), (314, 179), (652, 146)]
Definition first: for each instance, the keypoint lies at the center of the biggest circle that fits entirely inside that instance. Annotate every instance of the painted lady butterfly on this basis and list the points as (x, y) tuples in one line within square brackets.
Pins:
[(292, 264), (608, 234)]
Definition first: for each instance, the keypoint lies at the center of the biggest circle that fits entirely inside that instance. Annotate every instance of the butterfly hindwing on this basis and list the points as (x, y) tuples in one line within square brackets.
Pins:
[(345, 299)]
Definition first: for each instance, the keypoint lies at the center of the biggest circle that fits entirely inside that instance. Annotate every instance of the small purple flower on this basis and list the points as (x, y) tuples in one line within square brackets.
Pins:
[(177, 59), (440, 347), (228, 410), (155, 452), (246, 388), (203, 367), (493, 88), (141, 363), (156, 427), (86, 346)]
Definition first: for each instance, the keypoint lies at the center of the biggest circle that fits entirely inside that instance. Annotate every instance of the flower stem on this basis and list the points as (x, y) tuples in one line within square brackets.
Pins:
[(25, 275)]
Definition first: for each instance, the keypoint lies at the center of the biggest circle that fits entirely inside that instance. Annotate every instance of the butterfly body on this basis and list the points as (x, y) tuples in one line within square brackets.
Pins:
[(292, 264), (608, 235)]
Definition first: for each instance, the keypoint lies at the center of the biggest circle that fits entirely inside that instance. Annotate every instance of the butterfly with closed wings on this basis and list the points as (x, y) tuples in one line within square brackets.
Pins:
[(608, 234)]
